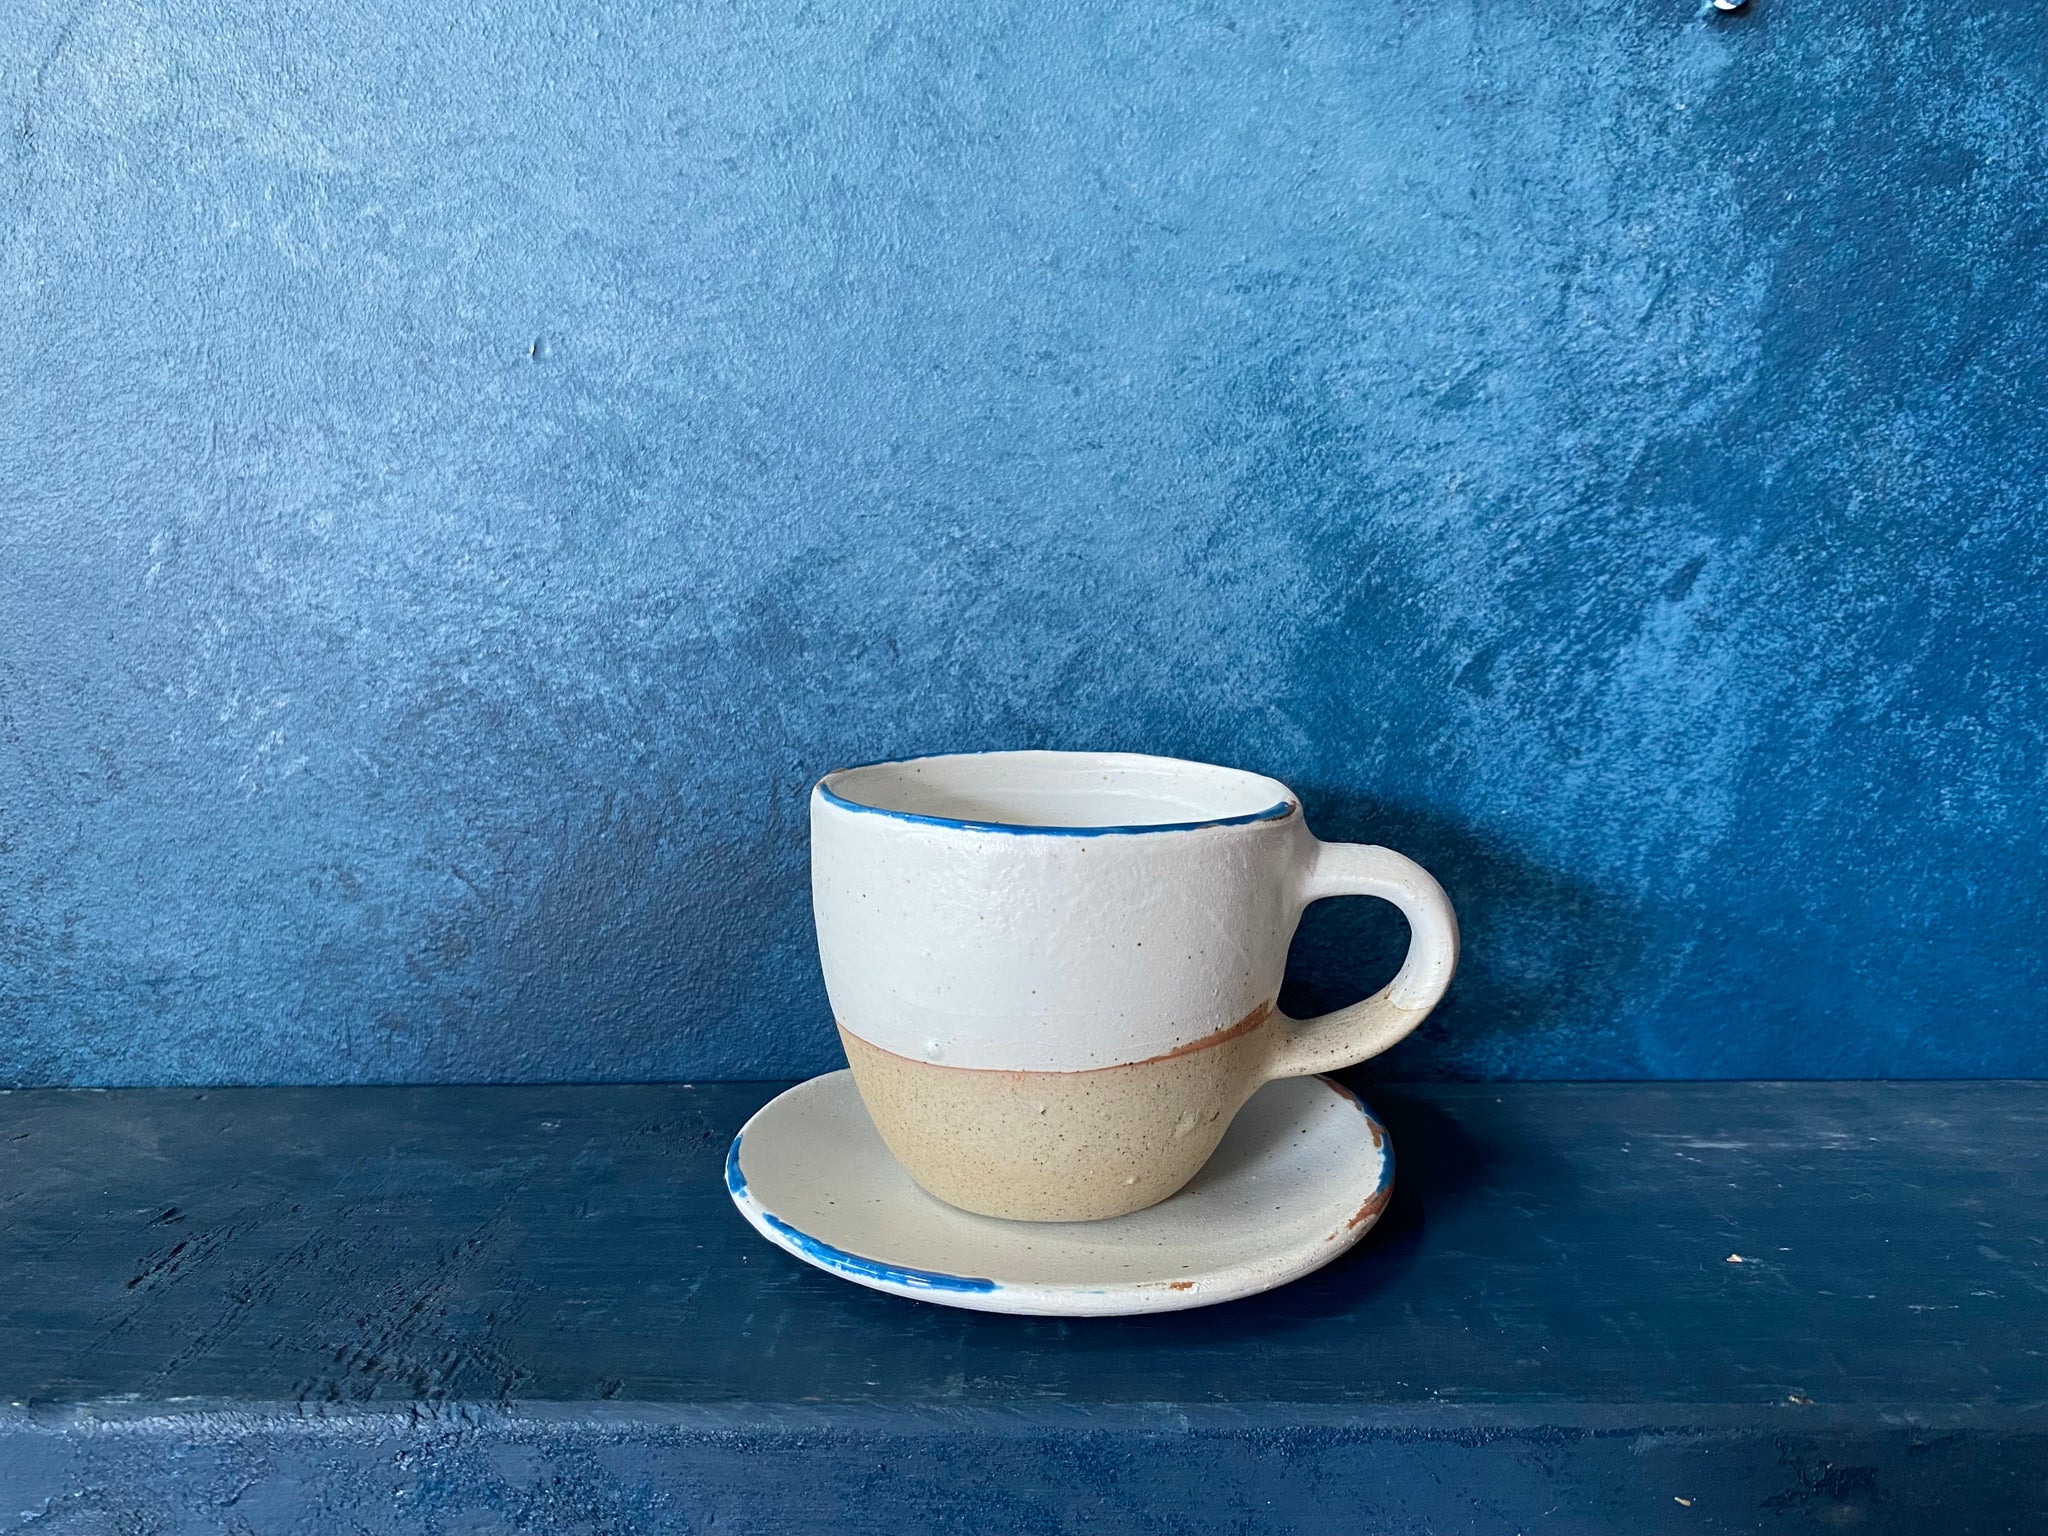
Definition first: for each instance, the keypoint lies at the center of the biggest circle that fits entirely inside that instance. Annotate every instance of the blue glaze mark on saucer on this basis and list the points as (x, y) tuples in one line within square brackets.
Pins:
[(735, 1181), (852, 1264), (1021, 829), (839, 1259), (1383, 1140)]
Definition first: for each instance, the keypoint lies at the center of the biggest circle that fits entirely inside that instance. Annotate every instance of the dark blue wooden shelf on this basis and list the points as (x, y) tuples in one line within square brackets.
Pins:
[(471, 1308)]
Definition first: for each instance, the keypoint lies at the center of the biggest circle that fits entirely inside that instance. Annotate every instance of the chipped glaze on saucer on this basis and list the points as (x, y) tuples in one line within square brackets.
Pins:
[(1302, 1174)]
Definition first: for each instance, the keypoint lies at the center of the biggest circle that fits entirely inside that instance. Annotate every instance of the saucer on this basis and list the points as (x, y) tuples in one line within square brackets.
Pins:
[(1303, 1173)]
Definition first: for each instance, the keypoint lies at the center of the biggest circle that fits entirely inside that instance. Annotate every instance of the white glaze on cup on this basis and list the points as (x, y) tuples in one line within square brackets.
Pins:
[(1055, 973)]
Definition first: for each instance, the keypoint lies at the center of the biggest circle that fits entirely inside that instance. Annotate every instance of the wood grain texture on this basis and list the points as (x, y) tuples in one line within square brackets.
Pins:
[(411, 1308)]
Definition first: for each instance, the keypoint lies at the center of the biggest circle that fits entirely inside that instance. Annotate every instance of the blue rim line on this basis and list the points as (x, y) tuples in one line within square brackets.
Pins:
[(1014, 828), (852, 1265)]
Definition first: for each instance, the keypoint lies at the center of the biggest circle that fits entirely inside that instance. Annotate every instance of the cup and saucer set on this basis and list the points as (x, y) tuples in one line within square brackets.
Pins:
[(1070, 1090)]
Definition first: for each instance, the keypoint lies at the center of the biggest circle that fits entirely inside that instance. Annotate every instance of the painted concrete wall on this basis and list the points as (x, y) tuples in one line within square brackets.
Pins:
[(465, 468)]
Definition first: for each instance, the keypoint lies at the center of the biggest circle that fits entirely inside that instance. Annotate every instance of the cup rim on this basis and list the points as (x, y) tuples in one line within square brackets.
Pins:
[(1285, 807)]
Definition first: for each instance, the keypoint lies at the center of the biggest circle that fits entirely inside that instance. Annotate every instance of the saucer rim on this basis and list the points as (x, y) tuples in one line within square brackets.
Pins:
[(1038, 1298)]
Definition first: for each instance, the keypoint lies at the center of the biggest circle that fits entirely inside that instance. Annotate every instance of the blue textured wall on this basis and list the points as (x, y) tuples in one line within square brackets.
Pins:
[(465, 467)]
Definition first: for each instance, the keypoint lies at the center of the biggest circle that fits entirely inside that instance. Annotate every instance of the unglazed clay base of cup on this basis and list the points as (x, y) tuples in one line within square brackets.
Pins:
[(1062, 1146), (1303, 1172)]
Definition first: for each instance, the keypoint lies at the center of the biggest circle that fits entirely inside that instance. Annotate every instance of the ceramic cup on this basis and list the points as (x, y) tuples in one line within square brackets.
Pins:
[(1055, 973)]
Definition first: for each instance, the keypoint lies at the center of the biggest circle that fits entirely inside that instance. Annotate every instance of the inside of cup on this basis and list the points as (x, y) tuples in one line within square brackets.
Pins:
[(1061, 790)]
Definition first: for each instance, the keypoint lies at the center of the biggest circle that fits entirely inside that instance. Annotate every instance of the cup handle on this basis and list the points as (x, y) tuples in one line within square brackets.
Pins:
[(1350, 1035)]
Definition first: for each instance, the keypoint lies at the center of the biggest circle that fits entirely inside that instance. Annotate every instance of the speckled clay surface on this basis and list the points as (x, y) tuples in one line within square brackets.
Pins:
[(1061, 1146), (1055, 973), (1303, 1172)]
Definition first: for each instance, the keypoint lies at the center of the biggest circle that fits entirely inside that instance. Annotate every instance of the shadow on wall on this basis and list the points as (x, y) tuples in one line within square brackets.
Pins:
[(1546, 959), (654, 942)]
